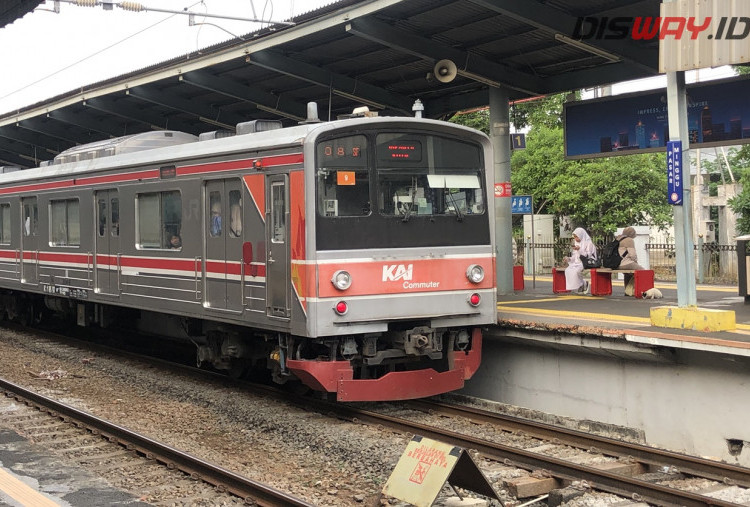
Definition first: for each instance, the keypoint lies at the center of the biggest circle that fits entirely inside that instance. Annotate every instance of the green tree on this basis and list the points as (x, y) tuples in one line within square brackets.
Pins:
[(739, 160), (740, 204), (476, 118)]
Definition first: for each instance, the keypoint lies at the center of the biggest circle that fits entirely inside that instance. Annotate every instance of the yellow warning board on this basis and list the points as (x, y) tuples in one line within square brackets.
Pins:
[(422, 470), (426, 465)]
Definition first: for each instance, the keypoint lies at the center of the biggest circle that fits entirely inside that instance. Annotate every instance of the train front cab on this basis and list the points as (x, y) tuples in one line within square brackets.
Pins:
[(403, 260)]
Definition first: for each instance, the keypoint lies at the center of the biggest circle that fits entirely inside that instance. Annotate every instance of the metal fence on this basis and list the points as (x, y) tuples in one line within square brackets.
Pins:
[(714, 263)]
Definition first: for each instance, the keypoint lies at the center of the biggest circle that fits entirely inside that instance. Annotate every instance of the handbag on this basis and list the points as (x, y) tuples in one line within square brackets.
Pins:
[(590, 262)]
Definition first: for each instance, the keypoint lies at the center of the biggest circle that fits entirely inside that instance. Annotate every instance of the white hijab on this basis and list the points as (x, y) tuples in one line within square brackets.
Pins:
[(585, 245)]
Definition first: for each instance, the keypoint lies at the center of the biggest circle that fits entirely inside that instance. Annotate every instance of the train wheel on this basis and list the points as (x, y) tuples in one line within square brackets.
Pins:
[(238, 369)]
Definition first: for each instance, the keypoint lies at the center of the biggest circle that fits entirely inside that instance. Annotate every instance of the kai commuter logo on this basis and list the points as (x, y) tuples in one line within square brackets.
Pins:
[(397, 272)]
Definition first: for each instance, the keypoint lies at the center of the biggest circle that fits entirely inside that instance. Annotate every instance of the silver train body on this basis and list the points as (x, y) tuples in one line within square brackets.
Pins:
[(356, 255)]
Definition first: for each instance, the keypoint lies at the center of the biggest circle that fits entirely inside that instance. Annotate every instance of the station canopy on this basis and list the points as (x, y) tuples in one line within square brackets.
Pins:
[(376, 53), (11, 10)]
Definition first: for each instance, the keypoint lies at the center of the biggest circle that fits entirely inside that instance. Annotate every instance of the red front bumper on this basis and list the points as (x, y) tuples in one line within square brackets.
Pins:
[(337, 376)]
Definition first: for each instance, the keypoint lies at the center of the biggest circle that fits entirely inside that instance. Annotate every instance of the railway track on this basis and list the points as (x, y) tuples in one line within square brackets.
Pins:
[(656, 464), (423, 418), (253, 492), (648, 457)]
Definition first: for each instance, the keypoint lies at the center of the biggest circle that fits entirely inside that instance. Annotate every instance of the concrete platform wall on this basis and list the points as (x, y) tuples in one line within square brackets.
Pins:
[(682, 400)]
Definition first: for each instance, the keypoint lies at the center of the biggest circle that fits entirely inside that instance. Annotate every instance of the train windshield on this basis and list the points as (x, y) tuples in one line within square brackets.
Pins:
[(396, 189), (428, 175)]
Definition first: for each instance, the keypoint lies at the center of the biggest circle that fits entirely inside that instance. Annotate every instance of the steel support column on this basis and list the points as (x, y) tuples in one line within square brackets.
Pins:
[(683, 217), (500, 137)]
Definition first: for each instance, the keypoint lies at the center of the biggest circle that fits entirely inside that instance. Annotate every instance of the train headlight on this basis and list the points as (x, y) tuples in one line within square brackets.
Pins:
[(475, 273), (342, 280)]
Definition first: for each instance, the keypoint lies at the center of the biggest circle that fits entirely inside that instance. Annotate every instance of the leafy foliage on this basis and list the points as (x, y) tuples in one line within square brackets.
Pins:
[(740, 204), (739, 159), (477, 119), (541, 111)]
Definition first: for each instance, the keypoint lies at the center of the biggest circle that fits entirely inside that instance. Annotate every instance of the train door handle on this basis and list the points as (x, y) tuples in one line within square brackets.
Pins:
[(270, 259)]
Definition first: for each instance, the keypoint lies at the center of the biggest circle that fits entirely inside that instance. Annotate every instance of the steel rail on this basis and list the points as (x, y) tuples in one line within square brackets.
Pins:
[(691, 465), (223, 479), (602, 480)]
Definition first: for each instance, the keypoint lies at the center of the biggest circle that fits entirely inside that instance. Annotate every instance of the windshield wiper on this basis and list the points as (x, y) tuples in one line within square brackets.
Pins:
[(459, 215), (412, 195)]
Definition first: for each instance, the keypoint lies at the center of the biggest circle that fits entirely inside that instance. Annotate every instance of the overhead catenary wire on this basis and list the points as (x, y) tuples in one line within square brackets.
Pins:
[(63, 69), (132, 6)]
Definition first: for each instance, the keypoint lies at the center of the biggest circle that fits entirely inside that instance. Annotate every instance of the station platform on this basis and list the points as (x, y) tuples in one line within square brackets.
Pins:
[(31, 476), (536, 306)]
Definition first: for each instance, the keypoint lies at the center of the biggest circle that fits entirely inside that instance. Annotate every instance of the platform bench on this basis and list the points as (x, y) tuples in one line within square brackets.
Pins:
[(601, 280)]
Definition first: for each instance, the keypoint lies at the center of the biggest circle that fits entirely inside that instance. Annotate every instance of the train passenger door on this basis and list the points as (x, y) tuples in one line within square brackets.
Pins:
[(106, 266), (223, 232), (277, 261), (29, 241)]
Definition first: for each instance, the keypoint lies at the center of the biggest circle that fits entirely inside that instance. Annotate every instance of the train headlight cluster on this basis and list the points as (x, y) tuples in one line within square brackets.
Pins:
[(342, 280), (475, 273)]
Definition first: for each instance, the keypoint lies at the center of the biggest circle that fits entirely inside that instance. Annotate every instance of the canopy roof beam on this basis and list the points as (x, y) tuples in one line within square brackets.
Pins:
[(469, 65), (339, 84), (242, 92)]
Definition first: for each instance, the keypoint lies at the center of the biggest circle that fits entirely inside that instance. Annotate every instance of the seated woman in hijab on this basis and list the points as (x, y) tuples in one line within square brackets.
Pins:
[(582, 246), (629, 257)]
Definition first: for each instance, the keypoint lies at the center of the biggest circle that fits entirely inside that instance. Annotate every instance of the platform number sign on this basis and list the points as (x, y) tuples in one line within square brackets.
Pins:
[(520, 204), (518, 141), (674, 172)]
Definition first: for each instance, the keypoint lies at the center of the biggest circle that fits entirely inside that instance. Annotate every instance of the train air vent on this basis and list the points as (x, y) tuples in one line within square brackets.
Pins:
[(250, 127), (215, 134), (8, 168), (126, 144)]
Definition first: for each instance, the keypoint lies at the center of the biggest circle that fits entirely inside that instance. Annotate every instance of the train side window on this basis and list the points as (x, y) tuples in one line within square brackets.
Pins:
[(115, 211), (214, 202), (235, 214), (101, 204), (278, 214), (5, 224), (30, 217), (65, 223), (159, 218)]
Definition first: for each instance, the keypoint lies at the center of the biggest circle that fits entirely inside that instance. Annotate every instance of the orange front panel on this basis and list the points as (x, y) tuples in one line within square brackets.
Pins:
[(297, 236), (405, 276), (256, 185)]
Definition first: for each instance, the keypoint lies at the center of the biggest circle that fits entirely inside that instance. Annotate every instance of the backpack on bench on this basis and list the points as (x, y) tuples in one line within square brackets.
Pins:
[(611, 255)]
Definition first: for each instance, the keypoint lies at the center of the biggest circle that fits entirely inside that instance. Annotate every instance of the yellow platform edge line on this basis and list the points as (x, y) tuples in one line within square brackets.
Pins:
[(22, 492), (739, 328), (576, 315), (694, 318)]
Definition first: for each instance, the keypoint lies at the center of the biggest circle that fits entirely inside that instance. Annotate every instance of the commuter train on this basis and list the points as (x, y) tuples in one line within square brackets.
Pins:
[(355, 255)]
